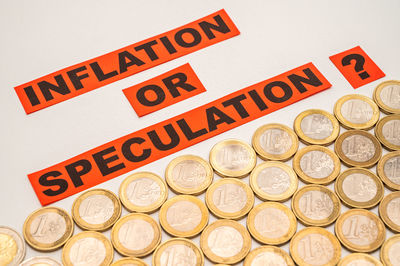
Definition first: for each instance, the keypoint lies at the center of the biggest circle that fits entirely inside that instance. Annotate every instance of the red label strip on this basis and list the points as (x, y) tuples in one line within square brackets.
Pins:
[(92, 74), (164, 90), (357, 67), (157, 141)]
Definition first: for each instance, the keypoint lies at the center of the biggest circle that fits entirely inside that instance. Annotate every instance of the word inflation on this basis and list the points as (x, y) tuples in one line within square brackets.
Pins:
[(157, 141), (92, 74)]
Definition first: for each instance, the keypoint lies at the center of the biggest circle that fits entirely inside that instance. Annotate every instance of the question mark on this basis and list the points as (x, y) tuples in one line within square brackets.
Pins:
[(360, 60)]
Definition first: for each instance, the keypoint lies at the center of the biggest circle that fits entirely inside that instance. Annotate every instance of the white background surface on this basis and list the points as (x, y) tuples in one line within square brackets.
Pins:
[(39, 37)]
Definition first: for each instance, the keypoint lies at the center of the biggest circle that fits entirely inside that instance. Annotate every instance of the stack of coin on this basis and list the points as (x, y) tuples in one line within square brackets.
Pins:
[(230, 215)]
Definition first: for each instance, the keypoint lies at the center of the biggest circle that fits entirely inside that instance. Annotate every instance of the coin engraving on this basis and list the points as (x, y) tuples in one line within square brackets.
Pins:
[(359, 187), (317, 164), (358, 148), (391, 131), (268, 258), (316, 126), (233, 157), (360, 230), (184, 216), (180, 255), (225, 241), (394, 252), (273, 180), (316, 205), (276, 141), (392, 169), (189, 174), (230, 198), (393, 210), (272, 223), (357, 111), (48, 227), (8, 249), (390, 96), (316, 249), (96, 209), (360, 262), (87, 251), (143, 191), (136, 234)]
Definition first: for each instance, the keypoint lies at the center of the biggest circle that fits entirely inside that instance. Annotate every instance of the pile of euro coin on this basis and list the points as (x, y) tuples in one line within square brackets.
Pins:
[(323, 186)]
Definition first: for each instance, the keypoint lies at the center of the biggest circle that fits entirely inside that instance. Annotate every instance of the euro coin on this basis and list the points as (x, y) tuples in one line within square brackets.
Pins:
[(389, 211), (355, 111), (268, 255), (225, 241), (360, 230), (229, 198), (130, 261), (317, 127), (387, 131), (390, 251), (232, 158), (12, 246), (178, 251), (355, 259), (275, 142), (135, 234), (271, 223), (388, 169), (96, 210), (189, 174), (387, 96), (41, 261), (183, 216), (143, 192), (358, 148), (48, 228)]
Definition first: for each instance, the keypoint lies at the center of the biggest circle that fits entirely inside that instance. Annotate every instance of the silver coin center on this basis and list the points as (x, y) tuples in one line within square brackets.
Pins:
[(189, 174), (136, 234), (143, 192), (393, 253), (273, 180), (272, 223), (316, 126), (358, 148), (317, 164), (316, 249), (233, 157), (184, 216), (392, 169), (359, 187), (360, 230), (391, 132), (268, 258), (390, 96), (229, 198), (276, 141), (225, 241), (316, 205), (393, 210), (96, 209), (48, 227), (360, 262), (178, 255), (357, 111), (87, 251)]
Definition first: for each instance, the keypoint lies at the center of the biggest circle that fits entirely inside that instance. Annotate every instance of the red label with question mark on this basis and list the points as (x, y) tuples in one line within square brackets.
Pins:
[(357, 67)]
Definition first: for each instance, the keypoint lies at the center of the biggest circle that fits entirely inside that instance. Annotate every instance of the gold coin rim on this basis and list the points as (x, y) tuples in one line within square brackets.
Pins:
[(190, 191), (226, 215), (230, 173), (229, 260), (14, 234), (268, 156), (271, 241), (378, 100), (310, 222), (384, 252), (384, 214), (52, 246), (94, 234), (173, 232), (316, 230), (143, 209), (379, 133), (356, 248), (28, 262), (309, 140), (262, 195), (381, 173), (355, 204), (158, 252), (311, 180), (123, 261), (96, 227), (252, 254), (121, 249), (356, 256), (348, 162), (349, 125)]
